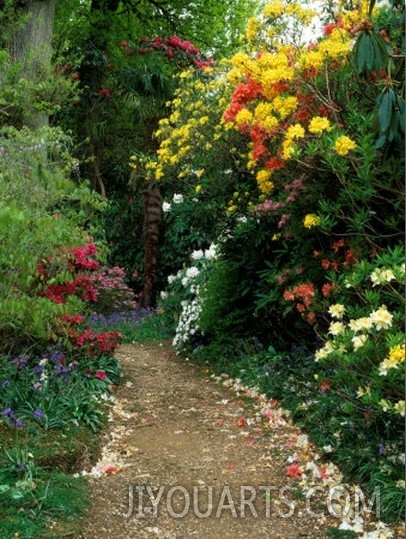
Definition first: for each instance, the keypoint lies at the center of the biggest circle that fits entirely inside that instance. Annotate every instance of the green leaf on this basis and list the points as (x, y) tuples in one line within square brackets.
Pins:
[(4, 489), (364, 53), (386, 109)]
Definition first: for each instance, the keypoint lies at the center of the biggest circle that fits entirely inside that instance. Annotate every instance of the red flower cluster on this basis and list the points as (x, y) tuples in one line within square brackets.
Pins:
[(172, 47), (100, 375), (343, 256), (84, 257), (81, 286), (97, 343)]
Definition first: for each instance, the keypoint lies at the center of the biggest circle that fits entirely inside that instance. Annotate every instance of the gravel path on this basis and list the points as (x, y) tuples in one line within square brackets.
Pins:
[(214, 467)]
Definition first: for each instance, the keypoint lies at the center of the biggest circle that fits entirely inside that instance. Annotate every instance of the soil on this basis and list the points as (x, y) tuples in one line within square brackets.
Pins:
[(201, 450)]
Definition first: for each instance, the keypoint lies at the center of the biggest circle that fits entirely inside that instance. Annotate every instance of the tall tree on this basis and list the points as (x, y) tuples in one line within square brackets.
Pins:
[(30, 46)]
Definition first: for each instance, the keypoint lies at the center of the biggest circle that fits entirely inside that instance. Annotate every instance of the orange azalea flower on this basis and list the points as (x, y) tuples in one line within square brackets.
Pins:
[(288, 295), (337, 244), (326, 289)]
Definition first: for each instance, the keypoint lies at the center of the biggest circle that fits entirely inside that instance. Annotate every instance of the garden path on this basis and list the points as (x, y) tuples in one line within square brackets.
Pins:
[(177, 432)]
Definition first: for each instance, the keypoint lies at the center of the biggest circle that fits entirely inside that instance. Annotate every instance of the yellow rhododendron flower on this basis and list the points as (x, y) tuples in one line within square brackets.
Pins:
[(396, 358), (243, 117), (311, 220), (252, 28), (319, 124), (294, 132), (274, 9), (343, 145)]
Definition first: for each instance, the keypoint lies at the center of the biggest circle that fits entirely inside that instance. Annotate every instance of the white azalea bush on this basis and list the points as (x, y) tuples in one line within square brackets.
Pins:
[(182, 298)]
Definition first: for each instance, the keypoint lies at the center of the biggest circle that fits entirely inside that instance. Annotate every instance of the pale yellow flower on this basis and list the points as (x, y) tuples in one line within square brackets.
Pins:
[(325, 351), (337, 311), (381, 318), (363, 391), (361, 324), (385, 405), (400, 408), (358, 341), (336, 328), (382, 276)]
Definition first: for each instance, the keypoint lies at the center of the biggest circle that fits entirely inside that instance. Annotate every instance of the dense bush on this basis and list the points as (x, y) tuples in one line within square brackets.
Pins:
[(309, 224)]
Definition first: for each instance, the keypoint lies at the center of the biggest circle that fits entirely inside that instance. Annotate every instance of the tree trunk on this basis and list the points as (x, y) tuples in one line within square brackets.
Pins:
[(31, 47), (152, 218)]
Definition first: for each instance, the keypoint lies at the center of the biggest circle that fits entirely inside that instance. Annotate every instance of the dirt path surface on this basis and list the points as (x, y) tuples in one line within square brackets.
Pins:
[(202, 451)]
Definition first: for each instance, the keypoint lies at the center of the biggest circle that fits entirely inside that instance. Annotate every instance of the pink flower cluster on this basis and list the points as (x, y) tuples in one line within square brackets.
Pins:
[(114, 295)]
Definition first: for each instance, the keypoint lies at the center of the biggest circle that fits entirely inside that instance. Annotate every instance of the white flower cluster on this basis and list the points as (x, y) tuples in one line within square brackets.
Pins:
[(191, 279), (177, 199), (188, 324)]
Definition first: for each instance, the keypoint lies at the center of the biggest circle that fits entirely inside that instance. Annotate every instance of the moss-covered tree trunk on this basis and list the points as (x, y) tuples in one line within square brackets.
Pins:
[(31, 46)]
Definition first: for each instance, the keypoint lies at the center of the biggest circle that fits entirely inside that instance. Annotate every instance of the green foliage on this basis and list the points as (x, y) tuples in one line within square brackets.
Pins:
[(31, 498), (40, 210)]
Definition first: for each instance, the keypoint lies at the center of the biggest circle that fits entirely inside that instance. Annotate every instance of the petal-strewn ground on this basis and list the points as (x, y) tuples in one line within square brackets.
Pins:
[(190, 455)]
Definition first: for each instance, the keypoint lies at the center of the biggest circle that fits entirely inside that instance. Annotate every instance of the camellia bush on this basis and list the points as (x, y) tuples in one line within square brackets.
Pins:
[(309, 212)]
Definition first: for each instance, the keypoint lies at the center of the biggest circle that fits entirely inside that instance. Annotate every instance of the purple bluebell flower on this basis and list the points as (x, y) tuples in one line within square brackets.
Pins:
[(21, 361), (38, 413)]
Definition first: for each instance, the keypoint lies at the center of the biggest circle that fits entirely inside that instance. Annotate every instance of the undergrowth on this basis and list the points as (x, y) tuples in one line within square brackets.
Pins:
[(351, 438)]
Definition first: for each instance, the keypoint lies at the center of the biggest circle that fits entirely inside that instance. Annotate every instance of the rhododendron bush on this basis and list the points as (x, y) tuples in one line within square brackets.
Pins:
[(54, 368), (297, 147)]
